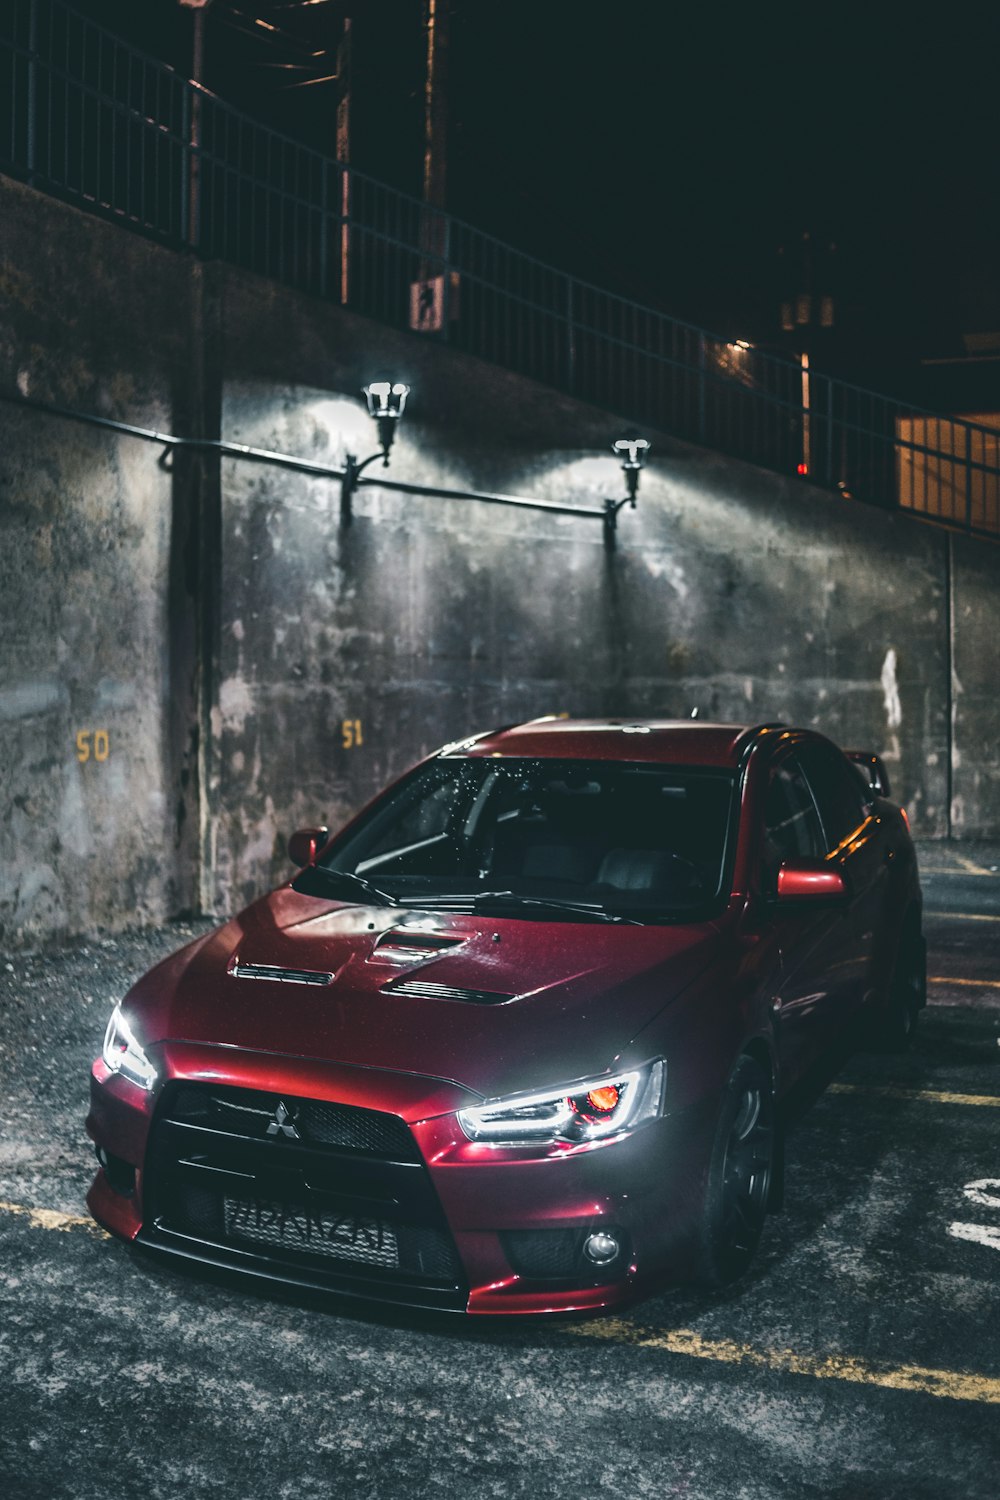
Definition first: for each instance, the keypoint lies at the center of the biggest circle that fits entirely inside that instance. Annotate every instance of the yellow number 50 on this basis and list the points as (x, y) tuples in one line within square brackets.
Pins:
[(92, 742)]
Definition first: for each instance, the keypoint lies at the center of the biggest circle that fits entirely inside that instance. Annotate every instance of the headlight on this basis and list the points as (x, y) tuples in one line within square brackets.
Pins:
[(590, 1110), (124, 1055)]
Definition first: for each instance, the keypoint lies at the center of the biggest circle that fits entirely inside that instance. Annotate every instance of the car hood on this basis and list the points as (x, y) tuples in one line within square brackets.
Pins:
[(578, 991)]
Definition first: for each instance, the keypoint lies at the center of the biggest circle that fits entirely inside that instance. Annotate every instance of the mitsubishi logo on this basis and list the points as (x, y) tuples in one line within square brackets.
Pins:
[(283, 1123)]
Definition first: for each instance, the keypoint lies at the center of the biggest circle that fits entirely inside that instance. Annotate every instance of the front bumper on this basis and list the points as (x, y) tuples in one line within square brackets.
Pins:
[(472, 1228)]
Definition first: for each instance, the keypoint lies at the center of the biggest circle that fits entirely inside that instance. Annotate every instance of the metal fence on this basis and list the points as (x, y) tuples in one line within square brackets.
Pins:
[(92, 120)]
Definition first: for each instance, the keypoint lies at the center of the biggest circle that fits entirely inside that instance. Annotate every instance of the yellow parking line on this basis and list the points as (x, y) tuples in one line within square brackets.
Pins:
[(49, 1218), (963, 916), (979, 984), (955, 1385), (970, 867), (930, 1096)]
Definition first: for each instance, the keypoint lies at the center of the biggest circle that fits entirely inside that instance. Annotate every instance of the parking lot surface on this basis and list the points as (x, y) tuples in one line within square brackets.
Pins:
[(860, 1358)]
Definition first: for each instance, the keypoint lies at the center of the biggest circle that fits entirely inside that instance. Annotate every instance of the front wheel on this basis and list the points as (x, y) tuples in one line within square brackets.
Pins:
[(740, 1174)]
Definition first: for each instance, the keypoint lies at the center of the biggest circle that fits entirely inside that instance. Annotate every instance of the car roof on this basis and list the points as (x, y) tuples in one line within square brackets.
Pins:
[(683, 742)]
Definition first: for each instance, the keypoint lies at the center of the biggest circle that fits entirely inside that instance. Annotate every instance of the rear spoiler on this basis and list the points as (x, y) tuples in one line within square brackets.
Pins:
[(873, 769)]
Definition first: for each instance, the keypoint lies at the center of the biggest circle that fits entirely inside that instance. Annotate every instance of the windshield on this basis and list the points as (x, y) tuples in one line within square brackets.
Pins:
[(599, 839)]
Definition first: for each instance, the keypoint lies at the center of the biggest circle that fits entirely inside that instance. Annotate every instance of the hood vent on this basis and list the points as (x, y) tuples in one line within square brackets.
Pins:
[(280, 976), (426, 989), (408, 945)]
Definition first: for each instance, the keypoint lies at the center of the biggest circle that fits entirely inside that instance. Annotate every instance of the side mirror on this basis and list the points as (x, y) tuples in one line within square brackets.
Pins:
[(304, 845), (810, 880), (873, 769)]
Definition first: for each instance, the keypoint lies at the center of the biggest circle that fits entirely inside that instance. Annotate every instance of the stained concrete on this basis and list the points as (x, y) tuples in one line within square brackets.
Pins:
[(223, 628)]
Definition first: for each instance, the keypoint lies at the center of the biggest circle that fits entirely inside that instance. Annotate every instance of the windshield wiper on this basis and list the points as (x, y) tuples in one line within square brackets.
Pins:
[(480, 900), (353, 884)]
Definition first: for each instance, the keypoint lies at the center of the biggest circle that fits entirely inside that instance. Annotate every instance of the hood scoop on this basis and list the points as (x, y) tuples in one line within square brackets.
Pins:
[(410, 944), (427, 989), (278, 975)]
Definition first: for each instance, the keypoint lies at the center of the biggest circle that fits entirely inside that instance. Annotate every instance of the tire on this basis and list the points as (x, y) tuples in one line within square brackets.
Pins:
[(895, 1027), (740, 1177)]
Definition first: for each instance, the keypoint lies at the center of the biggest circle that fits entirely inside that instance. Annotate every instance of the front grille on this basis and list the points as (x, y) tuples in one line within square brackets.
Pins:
[(247, 1112), (428, 990), (346, 1198)]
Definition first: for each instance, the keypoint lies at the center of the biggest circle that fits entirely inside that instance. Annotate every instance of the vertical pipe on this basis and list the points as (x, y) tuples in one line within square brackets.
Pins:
[(345, 236), (197, 71), (185, 225)]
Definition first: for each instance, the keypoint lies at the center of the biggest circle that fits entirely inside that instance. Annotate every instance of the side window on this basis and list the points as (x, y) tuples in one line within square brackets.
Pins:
[(838, 791), (791, 827)]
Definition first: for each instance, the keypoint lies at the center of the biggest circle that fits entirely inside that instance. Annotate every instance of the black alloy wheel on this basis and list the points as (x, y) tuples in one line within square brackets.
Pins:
[(739, 1176)]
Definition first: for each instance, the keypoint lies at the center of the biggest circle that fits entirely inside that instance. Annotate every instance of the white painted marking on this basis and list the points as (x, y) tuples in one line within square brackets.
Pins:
[(979, 1234), (890, 691), (977, 1192)]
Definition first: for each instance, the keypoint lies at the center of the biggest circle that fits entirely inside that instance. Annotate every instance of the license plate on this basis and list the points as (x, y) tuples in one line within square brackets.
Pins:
[(319, 1231)]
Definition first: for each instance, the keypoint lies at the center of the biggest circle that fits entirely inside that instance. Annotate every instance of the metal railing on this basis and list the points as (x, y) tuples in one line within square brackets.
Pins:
[(94, 121)]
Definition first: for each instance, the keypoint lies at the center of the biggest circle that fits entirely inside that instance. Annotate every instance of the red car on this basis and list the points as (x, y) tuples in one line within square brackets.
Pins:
[(515, 1040)]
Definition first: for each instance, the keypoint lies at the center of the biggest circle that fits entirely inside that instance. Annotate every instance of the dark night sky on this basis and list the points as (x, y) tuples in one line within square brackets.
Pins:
[(666, 151)]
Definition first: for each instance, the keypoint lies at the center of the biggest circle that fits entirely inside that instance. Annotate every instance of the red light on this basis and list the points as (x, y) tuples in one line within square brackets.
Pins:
[(604, 1100), (905, 819), (802, 469)]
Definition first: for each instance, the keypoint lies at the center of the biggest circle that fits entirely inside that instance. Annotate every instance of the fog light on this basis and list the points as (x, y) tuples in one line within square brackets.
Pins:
[(601, 1248)]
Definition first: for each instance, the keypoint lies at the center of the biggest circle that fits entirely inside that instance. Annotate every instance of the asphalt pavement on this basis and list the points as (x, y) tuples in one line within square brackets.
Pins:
[(860, 1360)]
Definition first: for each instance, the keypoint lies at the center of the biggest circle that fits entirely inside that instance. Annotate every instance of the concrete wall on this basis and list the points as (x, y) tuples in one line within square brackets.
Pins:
[(228, 629), (95, 319)]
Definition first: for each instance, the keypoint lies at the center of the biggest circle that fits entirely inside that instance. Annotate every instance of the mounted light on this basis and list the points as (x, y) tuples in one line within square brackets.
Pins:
[(632, 451), (386, 404)]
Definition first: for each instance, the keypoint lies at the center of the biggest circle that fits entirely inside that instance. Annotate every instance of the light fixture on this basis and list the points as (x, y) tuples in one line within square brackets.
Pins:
[(386, 404), (632, 451)]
